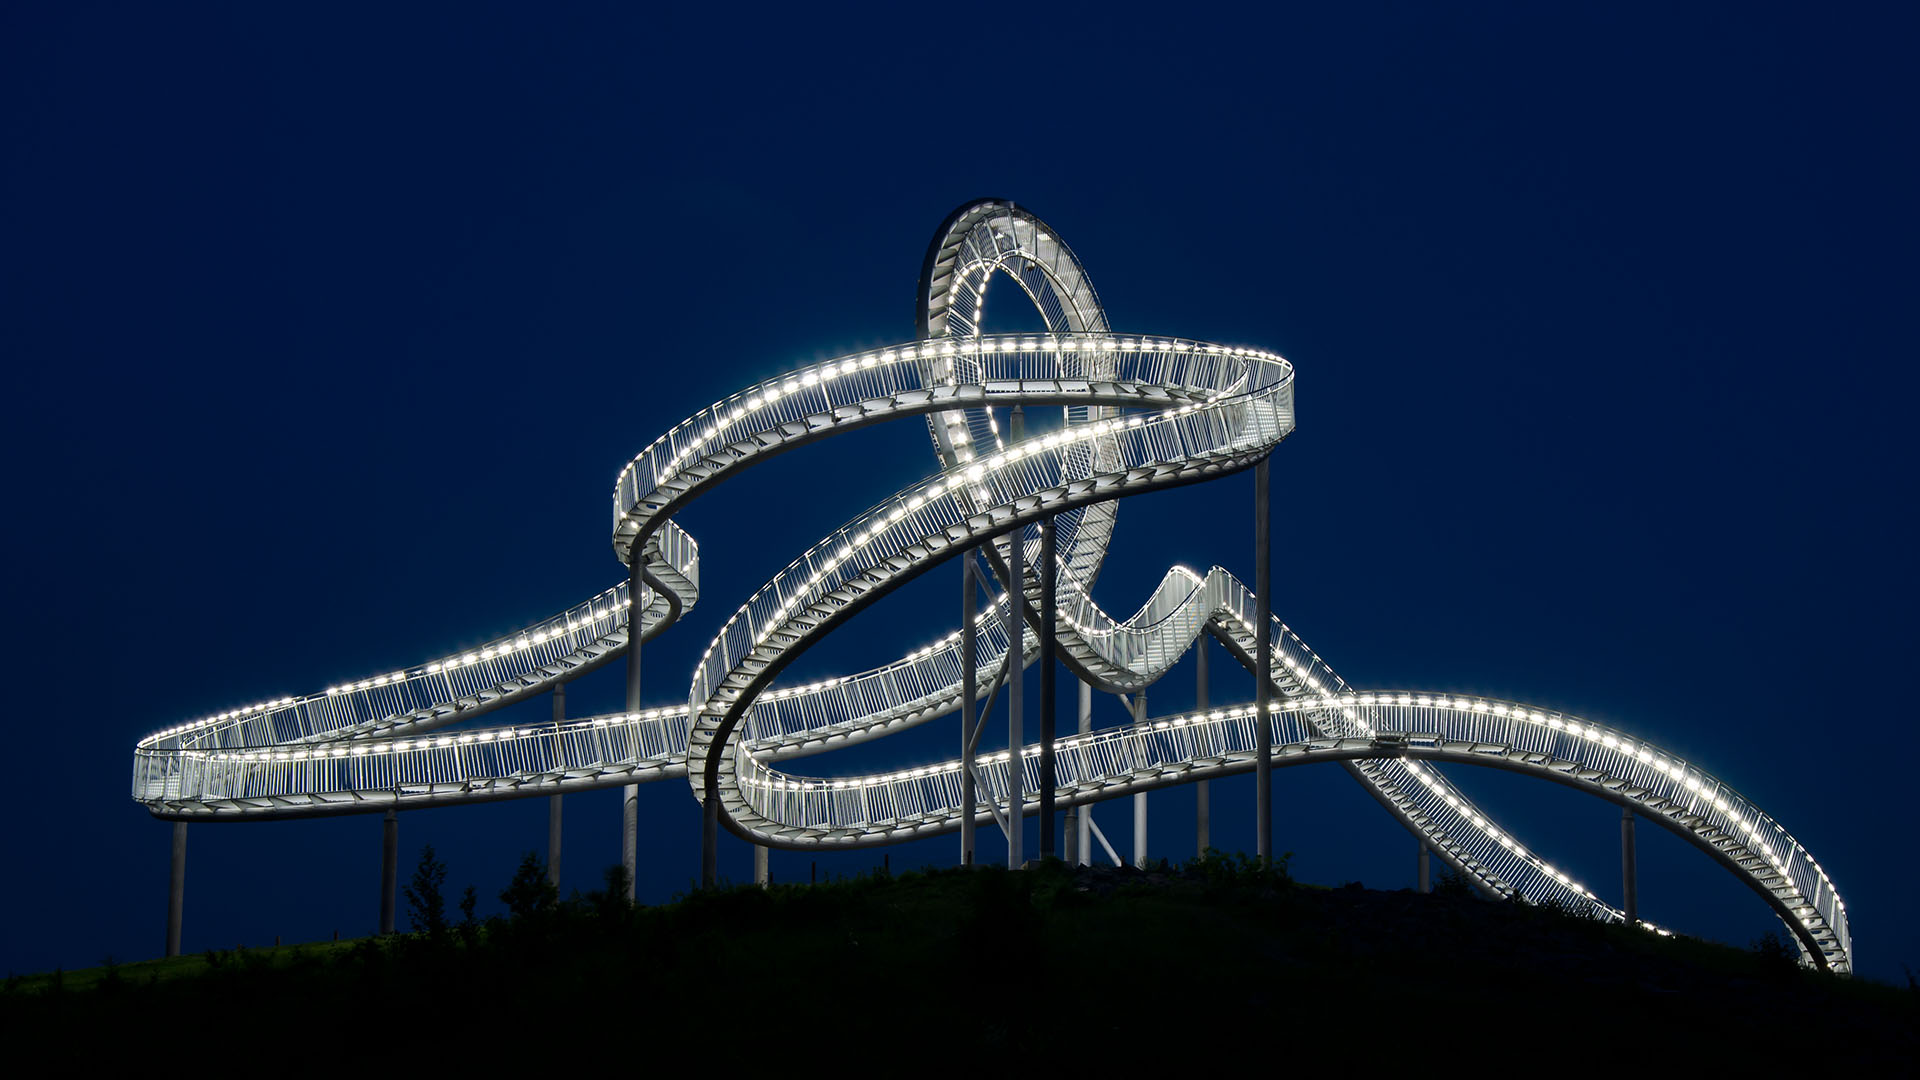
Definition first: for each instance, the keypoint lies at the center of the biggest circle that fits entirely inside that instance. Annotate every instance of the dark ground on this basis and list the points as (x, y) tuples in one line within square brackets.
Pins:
[(1133, 963)]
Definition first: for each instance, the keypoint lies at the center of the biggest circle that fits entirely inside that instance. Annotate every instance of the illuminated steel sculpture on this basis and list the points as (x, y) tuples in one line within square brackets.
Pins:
[(1139, 413)]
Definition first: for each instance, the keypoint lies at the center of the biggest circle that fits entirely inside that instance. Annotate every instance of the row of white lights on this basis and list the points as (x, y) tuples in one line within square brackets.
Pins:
[(745, 404), (595, 611), (864, 534), (1590, 733), (361, 747)]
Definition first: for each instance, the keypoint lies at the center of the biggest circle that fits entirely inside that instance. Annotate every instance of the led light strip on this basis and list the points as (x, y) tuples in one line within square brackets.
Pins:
[(1201, 409)]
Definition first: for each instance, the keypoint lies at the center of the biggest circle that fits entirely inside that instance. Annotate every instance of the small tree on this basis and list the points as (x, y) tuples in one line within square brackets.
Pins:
[(530, 892), (611, 903), (469, 922), (1778, 956), (1449, 882), (426, 908)]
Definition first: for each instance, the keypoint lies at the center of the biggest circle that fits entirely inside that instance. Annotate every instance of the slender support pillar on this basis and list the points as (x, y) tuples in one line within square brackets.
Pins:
[(553, 840), (1016, 736), (1203, 800), (709, 843), (630, 794), (389, 868), (1083, 816), (1263, 662), (1425, 878), (1140, 799), (553, 801), (630, 833), (969, 686), (1629, 873), (1047, 688), (177, 888), (761, 874)]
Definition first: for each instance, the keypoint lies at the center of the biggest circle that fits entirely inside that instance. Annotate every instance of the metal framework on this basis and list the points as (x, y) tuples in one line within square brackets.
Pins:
[(1029, 515)]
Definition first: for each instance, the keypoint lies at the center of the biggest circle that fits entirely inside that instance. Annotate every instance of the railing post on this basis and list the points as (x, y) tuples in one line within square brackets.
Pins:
[(389, 868), (177, 888), (553, 802), (1203, 803), (1263, 662), (969, 686), (1140, 798), (1047, 688), (1629, 873), (630, 801)]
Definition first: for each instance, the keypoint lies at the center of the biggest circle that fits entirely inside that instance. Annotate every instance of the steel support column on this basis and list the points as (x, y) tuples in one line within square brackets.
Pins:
[(1047, 785), (1629, 873), (389, 868), (630, 794), (1203, 801), (1263, 662), (969, 686), (177, 888), (630, 833), (761, 874), (1140, 798), (710, 843), (1424, 877), (1016, 737), (553, 801), (1083, 823)]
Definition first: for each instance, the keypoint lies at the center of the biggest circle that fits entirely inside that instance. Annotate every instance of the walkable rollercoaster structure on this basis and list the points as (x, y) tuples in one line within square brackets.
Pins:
[(1029, 518)]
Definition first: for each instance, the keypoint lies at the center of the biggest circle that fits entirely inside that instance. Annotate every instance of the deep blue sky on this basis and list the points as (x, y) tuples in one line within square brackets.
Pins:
[(327, 334)]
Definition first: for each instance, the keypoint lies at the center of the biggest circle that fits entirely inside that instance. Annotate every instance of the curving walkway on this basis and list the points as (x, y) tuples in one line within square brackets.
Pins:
[(1137, 414)]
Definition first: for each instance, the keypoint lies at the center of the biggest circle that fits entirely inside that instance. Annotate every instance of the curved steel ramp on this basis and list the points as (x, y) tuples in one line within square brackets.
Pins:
[(1139, 413)]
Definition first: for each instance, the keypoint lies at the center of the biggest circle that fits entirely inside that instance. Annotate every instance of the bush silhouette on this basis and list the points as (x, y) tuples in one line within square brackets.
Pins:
[(530, 893), (426, 907)]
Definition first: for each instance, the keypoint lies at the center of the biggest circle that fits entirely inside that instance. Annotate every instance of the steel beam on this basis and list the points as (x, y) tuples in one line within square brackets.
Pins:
[(177, 888), (1047, 603), (1140, 798), (1203, 801), (709, 843), (1084, 818), (1263, 662), (1016, 737), (630, 798), (969, 686), (630, 833), (553, 801), (389, 868), (1629, 873)]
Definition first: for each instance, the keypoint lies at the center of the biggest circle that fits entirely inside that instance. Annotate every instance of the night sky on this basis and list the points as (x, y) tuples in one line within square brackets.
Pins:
[(327, 333)]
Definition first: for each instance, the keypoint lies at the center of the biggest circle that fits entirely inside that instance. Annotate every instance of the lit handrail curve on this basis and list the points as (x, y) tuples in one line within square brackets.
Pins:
[(1213, 410), (1402, 726)]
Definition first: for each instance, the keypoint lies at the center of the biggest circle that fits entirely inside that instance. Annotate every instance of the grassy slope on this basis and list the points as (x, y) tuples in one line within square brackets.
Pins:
[(1116, 961)]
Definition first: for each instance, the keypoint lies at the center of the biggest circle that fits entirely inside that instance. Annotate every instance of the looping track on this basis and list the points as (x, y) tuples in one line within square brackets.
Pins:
[(1140, 413)]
